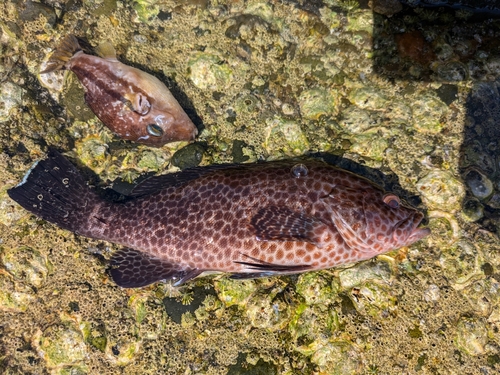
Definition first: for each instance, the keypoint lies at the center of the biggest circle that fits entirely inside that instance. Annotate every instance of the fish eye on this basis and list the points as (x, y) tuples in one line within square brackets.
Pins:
[(154, 130), (392, 200)]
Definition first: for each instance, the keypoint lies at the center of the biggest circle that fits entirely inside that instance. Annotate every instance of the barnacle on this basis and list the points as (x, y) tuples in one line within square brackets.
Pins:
[(187, 298)]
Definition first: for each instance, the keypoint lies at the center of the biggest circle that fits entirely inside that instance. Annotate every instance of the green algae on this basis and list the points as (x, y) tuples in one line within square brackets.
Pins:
[(284, 82), (316, 289), (317, 102), (61, 346), (14, 298)]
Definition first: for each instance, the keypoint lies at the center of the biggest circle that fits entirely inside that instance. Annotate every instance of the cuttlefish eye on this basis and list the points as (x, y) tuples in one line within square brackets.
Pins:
[(154, 130), (392, 200)]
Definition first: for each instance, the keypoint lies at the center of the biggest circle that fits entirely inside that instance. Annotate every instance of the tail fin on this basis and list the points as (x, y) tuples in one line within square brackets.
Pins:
[(54, 190), (63, 53)]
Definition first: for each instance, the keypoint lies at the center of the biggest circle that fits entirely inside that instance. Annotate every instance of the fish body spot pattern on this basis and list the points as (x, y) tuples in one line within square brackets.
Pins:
[(249, 220)]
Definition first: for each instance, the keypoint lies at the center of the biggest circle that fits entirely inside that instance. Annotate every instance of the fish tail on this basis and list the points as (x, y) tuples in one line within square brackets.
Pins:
[(63, 53), (54, 190)]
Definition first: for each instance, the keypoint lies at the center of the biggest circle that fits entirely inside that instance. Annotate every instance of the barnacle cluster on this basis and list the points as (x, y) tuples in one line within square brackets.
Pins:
[(267, 80)]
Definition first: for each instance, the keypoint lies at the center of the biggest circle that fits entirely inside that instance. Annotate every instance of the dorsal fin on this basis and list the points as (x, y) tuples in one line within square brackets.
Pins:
[(130, 268), (156, 183)]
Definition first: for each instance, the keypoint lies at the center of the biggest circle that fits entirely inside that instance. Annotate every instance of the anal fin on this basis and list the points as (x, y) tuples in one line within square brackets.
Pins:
[(130, 268)]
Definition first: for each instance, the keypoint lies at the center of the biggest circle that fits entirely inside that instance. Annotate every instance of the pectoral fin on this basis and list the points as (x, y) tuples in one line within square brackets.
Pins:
[(282, 224), (130, 268)]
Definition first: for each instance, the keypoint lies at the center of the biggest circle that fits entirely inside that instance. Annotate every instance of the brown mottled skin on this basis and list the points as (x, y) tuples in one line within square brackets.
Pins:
[(125, 99), (250, 220)]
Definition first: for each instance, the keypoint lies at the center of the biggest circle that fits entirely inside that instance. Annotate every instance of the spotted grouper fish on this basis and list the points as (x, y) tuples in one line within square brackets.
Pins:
[(250, 220), (134, 104)]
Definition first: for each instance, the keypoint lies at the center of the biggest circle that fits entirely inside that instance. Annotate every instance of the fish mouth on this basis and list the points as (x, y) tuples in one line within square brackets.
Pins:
[(417, 232)]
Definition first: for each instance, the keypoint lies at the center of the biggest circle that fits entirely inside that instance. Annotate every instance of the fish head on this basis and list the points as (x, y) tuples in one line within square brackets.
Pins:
[(372, 221), (159, 127), (391, 223), (161, 117)]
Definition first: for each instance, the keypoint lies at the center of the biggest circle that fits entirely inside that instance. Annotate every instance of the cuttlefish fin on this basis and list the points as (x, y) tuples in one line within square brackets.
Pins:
[(130, 268), (63, 53), (106, 51), (282, 224)]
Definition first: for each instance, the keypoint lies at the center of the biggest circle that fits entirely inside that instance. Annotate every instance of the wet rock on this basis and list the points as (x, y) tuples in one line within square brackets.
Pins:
[(447, 93), (146, 10), (238, 153), (366, 272), (189, 156), (368, 98), (317, 102), (151, 160), (246, 24), (427, 112), (432, 293), (266, 312), (453, 71), (413, 46), (285, 136), (93, 153), (26, 265), (34, 10), (251, 366), (73, 100), (494, 201), (95, 335), (316, 289), (441, 189), (14, 297), (480, 185), (461, 264), (10, 212), (61, 345), (373, 299), (247, 103), (471, 336), (339, 357), (207, 72), (10, 98), (359, 21), (356, 120), (472, 210), (385, 7), (370, 146), (235, 292)]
